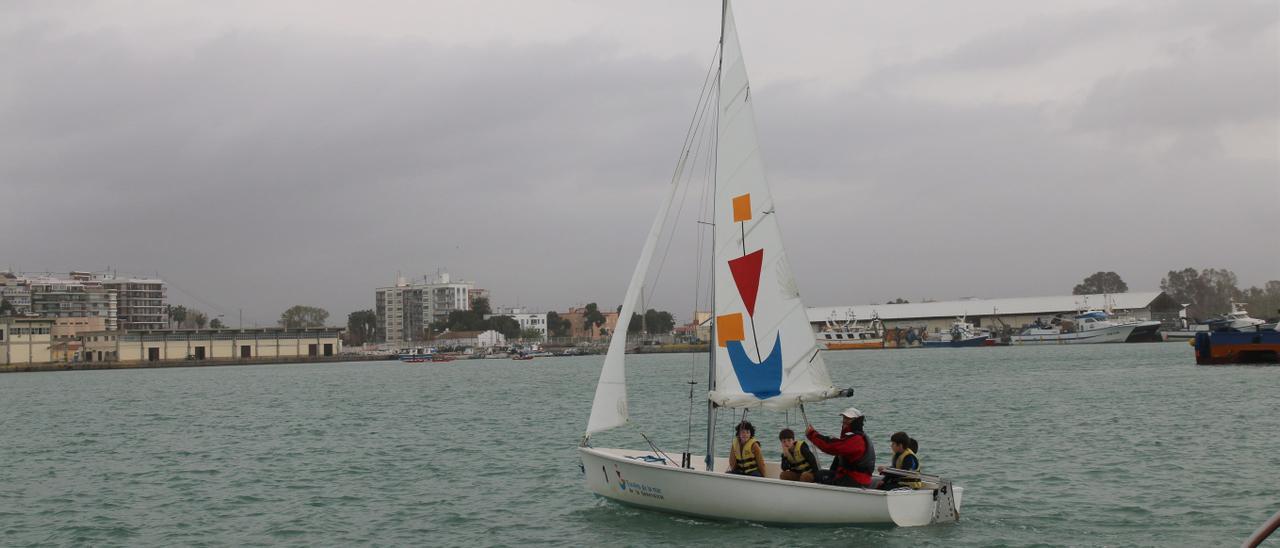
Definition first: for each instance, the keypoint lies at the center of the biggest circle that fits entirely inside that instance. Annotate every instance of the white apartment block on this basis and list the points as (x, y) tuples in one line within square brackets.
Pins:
[(526, 319), (407, 309)]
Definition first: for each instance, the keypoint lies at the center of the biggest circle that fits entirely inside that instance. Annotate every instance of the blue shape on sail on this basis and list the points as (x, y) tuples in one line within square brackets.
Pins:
[(762, 380)]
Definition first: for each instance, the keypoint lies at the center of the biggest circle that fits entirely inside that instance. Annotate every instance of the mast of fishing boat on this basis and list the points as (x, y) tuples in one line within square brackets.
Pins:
[(711, 350)]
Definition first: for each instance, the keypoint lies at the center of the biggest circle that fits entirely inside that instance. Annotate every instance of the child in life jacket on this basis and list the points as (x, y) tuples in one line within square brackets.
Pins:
[(904, 458)]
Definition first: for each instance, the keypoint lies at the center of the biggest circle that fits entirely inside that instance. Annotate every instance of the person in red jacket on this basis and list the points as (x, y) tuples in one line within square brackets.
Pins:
[(855, 455)]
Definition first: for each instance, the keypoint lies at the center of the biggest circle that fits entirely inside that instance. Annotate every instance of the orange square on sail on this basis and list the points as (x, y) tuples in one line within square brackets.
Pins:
[(729, 328), (742, 208)]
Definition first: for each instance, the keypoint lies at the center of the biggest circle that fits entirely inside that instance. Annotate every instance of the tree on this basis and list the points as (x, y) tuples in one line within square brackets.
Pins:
[(481, 306), (636, 324), (508, 326), (659, 322), (362, 327), (299, 316), (1263, 302), (1101, 282), (216, 323), (531, 333), (177, 315), (466, 320), (187, 318), (1208, 292), (593, 318), (557, 326), (899, 300), (7, 309)]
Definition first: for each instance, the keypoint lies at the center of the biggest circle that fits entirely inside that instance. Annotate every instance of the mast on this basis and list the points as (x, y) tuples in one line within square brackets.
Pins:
[(711, 364)]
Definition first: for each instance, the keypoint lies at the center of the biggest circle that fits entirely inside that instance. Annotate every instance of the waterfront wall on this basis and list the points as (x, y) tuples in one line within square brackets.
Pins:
[(199, 344), (85, 366)]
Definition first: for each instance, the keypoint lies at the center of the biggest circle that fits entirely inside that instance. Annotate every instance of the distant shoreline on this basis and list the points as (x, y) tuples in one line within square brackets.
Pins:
[(163, 364)]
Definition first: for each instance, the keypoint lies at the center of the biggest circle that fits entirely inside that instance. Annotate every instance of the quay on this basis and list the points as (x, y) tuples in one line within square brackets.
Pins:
[(34, 344)]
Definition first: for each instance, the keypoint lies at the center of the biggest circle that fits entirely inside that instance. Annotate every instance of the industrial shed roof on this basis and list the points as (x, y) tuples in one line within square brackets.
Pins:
[(985, 307)]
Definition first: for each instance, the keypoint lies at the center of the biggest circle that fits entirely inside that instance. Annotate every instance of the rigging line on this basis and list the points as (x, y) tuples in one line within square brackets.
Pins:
[(675, 223), (699, 237), (704, 103), (681, 167), (711, 350), (706, 85), (655, 448), (689, 156)]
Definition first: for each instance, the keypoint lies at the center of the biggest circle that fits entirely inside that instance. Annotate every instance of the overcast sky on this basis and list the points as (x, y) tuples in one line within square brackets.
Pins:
[(258, 154)]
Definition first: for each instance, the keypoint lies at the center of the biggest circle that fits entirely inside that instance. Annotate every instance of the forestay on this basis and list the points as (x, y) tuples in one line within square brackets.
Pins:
[(609, 408), (766, 354)]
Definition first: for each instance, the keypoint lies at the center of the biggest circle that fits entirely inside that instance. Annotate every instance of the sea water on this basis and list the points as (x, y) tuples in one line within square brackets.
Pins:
[(1107, 445)]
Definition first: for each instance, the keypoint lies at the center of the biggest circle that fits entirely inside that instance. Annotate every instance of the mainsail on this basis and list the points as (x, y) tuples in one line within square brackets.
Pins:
[(766, 354)]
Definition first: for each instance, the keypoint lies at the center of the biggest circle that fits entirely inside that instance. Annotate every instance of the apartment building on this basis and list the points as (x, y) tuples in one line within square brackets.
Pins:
[(120, 303), (526, 319), (407, 309), (141, 302)]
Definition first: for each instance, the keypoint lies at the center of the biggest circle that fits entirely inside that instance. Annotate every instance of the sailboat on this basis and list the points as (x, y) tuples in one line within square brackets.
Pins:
[(763, 355)]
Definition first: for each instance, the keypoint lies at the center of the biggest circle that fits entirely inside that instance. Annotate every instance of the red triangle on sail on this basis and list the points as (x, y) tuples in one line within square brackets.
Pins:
[(746, 274)]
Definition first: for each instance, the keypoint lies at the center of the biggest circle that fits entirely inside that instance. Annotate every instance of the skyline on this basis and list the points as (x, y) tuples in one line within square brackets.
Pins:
[(259, 156)]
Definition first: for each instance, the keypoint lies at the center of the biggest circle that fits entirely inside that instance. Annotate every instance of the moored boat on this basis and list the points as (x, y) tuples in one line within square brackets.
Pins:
[(1238, 319), (1093, 326), (848, 335), (422, 355), (1253, 345), (962, 334)]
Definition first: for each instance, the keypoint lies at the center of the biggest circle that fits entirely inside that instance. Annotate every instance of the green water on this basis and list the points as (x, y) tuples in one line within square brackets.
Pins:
[(1112, 445)]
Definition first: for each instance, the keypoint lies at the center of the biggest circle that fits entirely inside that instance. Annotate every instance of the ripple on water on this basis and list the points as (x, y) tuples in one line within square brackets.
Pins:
[(1071, 445)]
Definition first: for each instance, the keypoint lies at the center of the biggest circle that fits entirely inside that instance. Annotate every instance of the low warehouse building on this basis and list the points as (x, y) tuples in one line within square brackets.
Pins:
[(210, 344), (936, 317), (25, 340)]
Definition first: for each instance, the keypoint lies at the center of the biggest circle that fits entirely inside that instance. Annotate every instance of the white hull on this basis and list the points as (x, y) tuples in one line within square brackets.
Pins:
[(617, 475), (1116, 334)]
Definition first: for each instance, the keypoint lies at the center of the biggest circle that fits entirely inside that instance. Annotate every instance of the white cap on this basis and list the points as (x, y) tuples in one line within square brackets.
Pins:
[(851, 412)]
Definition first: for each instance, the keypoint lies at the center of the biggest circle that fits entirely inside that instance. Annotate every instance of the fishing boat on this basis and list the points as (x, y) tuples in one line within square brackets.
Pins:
[(762, 352), (1087, 327), (848, 335), (422, 355), (961, 334), (1237, 320)]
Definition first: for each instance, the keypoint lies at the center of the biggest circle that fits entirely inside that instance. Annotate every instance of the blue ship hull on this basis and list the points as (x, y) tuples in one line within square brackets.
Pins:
[(1223, 347)]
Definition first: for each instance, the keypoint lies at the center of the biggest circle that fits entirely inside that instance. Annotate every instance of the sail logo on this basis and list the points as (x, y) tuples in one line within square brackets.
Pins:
[(761, 376)]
